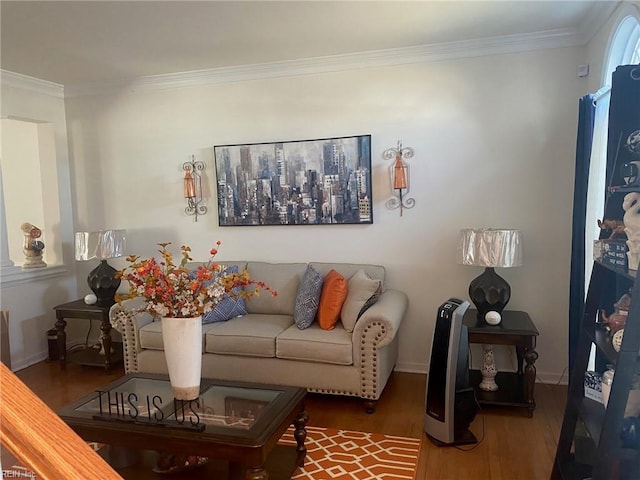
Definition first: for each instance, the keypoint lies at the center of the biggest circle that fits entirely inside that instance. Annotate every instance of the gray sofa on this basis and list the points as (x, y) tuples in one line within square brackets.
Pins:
[(266, 346)]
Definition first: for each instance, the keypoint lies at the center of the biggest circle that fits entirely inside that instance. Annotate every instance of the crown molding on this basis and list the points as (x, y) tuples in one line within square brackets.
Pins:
[(597, 17), (32, 84), (335, 63)]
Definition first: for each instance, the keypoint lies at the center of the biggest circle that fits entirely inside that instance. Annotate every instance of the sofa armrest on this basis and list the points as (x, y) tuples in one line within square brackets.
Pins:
[(386, 314), (375, 345), (128, 318)]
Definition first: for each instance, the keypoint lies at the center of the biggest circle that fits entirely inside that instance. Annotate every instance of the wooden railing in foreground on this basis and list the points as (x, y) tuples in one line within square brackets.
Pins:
[(36, 436)]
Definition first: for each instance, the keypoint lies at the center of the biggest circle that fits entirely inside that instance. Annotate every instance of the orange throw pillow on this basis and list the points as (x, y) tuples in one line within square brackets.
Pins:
[(334, 293)]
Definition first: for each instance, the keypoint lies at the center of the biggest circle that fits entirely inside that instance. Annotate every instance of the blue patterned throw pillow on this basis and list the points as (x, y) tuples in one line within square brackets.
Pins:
[(229, 307), (307, 298)]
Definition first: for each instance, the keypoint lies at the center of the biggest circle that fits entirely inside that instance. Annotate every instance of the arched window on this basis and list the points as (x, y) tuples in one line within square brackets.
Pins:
[(635, 55), (624, 49)]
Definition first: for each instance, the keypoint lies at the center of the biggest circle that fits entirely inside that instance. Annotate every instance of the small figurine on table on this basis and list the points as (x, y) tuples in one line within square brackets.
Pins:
[(32, 247), (616, 227)]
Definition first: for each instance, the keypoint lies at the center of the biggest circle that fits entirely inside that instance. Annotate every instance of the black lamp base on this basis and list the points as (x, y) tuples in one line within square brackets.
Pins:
[(103, 282), (489, 292)]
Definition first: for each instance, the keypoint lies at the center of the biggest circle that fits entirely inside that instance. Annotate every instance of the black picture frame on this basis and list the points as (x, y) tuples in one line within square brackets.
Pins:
[(324, 181)]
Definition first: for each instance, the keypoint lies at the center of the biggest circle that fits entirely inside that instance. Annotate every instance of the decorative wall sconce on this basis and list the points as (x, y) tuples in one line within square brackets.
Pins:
[(193, 187), (399, 173)]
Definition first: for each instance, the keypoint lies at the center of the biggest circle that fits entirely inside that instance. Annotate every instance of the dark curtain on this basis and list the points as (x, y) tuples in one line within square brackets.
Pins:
[(586, 117)]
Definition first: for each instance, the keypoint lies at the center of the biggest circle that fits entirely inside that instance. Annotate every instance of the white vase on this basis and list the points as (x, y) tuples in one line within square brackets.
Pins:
[(182, 339)]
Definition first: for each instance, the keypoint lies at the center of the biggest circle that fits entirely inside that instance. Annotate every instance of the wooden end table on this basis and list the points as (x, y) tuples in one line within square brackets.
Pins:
[(87, 356), (515, 389)]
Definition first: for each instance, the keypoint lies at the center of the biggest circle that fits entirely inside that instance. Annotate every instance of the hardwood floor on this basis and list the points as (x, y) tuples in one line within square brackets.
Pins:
[(513, 446)]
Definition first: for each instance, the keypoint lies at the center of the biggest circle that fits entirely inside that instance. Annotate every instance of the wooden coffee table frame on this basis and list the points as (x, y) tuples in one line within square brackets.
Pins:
[(245, 449)]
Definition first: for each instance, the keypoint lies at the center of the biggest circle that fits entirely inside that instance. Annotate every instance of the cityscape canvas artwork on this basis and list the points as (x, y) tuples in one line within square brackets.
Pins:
[(305, 182)]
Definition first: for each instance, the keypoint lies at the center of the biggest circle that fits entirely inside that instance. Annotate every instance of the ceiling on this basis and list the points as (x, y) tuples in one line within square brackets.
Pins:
[(84, 42)]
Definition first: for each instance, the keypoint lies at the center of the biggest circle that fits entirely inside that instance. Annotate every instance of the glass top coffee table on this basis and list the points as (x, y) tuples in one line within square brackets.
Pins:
[(235, 422)]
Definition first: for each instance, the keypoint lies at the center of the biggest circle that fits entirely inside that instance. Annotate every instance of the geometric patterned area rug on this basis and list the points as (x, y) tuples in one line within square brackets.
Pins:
[(346, 455), (340, 455)]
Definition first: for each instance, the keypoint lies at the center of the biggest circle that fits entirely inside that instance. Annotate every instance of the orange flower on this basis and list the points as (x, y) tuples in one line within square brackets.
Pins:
[(176, 291)]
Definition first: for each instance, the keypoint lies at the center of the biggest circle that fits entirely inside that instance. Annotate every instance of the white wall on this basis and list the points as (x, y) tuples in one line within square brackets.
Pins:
[(494, 140), (21, 161), (30, 296)]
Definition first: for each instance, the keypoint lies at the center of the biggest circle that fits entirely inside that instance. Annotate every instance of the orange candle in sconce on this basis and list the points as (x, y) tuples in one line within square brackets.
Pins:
[(399, 174), (189, 185)]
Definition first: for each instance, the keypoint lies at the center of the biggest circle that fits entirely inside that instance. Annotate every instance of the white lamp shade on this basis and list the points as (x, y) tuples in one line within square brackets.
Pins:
[(490, 247), (101, 245)]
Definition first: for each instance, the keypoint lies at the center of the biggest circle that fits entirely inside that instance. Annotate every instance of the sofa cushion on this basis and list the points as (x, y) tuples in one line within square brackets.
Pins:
[(240, 264), (307, 298), (377, 272), (334, 293), (229, 307), (282, 277), (253, 335), (315, 344), (360, 289), (151, 336)]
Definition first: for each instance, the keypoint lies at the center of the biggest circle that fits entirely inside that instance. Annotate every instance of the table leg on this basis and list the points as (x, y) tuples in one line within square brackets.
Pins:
[(105, 338), (530, 356), (236, 471), (62, 340), (256, 473), (520, 358), (300, 434)]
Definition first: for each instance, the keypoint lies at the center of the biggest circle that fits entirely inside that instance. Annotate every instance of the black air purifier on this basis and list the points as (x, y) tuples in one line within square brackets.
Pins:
[(450, 405)]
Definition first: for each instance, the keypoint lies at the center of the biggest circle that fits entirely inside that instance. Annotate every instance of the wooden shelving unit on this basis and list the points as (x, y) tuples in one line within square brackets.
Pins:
[(604, 426)]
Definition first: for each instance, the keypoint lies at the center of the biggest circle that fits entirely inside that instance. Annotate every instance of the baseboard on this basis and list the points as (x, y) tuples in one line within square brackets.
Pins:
[(19, 364), (22, 363), (405, 367), (409, 367), (552, 378), (541, 377)]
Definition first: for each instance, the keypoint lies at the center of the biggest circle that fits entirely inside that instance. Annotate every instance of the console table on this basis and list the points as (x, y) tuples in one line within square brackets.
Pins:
[(88, 356), (515, 389)]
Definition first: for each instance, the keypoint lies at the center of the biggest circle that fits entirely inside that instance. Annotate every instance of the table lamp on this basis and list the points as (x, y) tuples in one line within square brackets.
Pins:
[(101, 245), (490, 248)]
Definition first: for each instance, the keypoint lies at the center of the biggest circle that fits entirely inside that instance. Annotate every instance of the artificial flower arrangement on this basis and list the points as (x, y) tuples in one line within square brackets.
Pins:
[(175, 291)]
